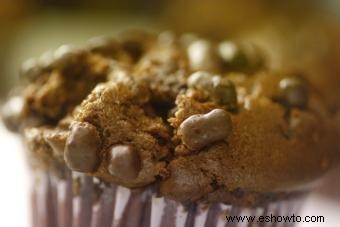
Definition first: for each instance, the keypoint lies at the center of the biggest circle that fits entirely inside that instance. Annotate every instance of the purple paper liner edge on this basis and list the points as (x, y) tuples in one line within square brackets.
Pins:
[(54, 204)]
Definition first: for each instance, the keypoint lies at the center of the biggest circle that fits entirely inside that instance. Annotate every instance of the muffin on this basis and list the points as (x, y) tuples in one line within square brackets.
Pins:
[(167, 130)]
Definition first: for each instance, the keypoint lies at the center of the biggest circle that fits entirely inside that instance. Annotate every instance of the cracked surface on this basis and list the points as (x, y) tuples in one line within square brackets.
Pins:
[(134, 92)]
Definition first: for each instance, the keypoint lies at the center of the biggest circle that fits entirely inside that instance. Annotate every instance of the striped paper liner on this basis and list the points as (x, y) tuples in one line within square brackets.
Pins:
[(56, 204)]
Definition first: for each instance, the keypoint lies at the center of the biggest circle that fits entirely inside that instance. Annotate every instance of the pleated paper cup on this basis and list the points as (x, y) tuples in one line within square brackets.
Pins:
[(76, 200)]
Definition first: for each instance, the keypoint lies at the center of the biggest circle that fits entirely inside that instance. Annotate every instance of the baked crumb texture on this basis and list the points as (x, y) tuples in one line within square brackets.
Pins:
[(203, 120)]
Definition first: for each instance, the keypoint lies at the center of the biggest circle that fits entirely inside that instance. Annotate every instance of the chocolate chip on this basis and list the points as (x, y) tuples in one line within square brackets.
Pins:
[(221, 90), (228, 51), (124, 162), (294, 92), (200, 80), (57, 141), (11, 113), (243, 58), (202, 55), (224, 92), (81, 148), (200, 130)]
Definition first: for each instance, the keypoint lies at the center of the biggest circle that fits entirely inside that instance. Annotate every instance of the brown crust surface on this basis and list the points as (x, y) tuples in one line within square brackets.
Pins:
[(137, 95)]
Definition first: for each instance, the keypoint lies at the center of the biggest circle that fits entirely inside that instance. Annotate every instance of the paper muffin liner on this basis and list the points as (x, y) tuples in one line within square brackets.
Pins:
[(77, 200)]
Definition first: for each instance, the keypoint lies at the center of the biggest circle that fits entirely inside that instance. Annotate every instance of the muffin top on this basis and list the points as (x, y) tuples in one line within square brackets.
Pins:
[(201, 119)]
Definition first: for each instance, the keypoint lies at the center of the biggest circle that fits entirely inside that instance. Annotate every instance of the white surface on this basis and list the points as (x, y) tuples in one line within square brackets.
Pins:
[(14, 193), (317, 205), (14, 190)]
